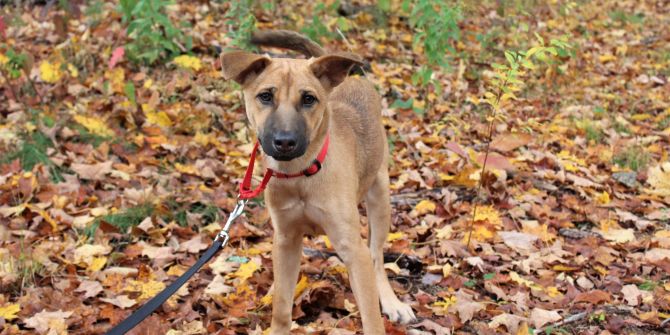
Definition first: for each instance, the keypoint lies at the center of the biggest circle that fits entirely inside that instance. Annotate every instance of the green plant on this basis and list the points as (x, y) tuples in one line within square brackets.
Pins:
[(94, 12), (130, 217), (152, 34), (242, 21), (648, 285), (633, 157), (437, 31), (33, 151), (506, 82), (316, 29)]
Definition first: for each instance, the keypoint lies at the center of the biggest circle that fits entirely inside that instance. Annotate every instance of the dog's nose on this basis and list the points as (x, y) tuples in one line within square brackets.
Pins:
[(284, 142)]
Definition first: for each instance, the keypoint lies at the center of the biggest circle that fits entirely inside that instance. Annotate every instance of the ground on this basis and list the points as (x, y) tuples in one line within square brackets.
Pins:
[(117, 169)]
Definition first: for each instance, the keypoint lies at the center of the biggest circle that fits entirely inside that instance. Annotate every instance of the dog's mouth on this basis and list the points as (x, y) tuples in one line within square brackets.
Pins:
[(284, 154)]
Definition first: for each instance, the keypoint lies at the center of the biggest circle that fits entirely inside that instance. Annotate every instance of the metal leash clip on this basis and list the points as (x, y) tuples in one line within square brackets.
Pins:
[(223, 234)]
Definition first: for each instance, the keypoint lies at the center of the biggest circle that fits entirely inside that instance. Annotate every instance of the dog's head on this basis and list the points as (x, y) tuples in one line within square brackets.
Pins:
[(286, 99)]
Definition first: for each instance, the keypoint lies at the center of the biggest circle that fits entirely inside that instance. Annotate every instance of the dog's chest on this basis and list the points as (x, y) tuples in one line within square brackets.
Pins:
[(293, 211)]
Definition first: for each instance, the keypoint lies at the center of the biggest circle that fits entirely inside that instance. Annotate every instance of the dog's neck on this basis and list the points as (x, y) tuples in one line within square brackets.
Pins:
[(301, 163)]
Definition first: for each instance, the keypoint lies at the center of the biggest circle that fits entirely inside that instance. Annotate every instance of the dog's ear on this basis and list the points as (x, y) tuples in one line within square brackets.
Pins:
[(333, 69), (242, 66)]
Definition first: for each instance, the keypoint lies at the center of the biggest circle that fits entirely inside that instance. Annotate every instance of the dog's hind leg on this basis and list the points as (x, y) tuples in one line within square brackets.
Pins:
[(378, 208)]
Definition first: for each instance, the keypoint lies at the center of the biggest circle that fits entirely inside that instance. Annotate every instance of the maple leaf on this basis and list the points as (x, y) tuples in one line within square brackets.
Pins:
[(51, 72), (94, 125), (246, 270), (188, 62), (659, 179), (117, 55), (52, 322), (9, 312), (425, 206)]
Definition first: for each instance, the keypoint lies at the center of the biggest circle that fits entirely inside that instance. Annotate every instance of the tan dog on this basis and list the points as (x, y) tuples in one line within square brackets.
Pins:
[(293, 105)]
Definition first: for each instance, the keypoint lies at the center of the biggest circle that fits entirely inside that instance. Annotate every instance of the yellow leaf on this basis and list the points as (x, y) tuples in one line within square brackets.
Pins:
[(189, 62), (9, 312), (441, 307), (445, 177), (187, 169), (395, 236), (116, 77), (553, 292), (94, 125), (606, 58), (73, 70), (489, 214), (176, 270), (44, 215), (301, 286), (97, 264), (603, 198), (246, 270), (522, 281), (147, 289), (523, 329), (425, 206), (3, 60), (446, 270), (157, 118), (147, 84), (326, 241), (50, 72)]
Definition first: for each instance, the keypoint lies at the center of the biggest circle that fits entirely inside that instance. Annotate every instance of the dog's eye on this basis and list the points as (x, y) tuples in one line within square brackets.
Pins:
[(265, 97), (308, 100)]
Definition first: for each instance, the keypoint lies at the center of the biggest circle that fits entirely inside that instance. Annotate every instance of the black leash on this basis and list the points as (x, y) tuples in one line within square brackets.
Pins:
[(155, 302)]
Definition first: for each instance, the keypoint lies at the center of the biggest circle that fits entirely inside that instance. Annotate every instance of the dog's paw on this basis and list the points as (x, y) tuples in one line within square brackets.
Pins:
[(398, 311)]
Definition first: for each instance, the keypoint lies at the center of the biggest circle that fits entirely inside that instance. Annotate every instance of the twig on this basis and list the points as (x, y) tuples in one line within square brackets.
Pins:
[(565, 321), (32, 84), (486, 157)]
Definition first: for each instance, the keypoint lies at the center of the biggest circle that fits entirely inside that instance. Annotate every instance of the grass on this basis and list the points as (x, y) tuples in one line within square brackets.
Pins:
[(33, 151), (177, 211), (26, 269), (633, 157), (123, 220)]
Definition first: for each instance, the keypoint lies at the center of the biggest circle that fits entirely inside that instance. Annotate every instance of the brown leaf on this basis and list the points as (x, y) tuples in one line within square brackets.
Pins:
[(540, 317), (594, 297), (510, 141)]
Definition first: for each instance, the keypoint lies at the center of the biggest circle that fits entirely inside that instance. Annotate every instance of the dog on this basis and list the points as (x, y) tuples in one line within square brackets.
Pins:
[(297, 107)]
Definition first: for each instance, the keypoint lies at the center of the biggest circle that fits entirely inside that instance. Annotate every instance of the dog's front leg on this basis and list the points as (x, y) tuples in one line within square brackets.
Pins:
[(286, 252), (344, 234)]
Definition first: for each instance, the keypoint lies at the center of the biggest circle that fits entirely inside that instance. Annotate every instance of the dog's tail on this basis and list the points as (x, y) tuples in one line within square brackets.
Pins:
[(286, 39)]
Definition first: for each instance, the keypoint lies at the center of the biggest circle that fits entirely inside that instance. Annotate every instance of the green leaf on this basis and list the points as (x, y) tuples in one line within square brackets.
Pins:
[(407, 104), (129, 89)]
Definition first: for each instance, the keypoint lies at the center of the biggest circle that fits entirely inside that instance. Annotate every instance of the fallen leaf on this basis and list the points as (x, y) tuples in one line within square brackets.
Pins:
[(510, 141), (90, 288), (594, 297), (510, 321), (9, 312), (51, 322), (50, 72), (631, 294), (540, 317), (188, 62), (193, 245), (117, 55), (121, 301)]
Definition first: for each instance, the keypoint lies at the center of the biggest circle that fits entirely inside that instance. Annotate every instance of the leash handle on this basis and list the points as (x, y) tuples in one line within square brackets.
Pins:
[(149, 307)]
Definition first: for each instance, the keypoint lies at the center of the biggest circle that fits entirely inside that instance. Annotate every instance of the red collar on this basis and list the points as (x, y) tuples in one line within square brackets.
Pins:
[(245, 187)]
